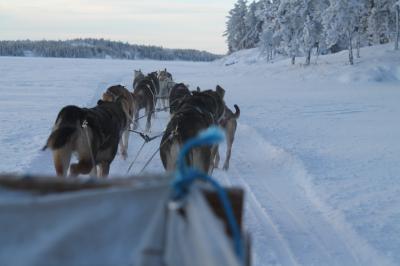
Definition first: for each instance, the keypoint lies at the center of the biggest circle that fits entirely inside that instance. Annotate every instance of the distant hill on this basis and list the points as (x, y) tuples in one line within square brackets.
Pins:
[(99, 48)]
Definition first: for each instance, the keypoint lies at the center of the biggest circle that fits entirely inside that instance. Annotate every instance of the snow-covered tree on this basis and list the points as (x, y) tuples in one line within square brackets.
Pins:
[(378, 24), (253, 26), (295, 27), (310, 37), (290, 26), (236, 27), (341, 21), (268, 13), (397, 21)]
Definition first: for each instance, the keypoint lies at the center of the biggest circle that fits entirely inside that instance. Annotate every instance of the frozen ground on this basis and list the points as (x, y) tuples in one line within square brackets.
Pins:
[(317, 148)]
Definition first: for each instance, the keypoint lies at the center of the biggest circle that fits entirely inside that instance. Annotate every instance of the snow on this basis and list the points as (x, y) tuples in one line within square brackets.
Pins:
[(316, 147)]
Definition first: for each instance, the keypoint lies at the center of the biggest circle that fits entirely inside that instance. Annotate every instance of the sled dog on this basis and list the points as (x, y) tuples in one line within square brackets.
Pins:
[(195, 113), (92, 134), (119, 92)]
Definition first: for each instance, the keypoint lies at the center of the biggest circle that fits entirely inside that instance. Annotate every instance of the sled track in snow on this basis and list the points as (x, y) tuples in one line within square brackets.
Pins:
[(285, 214)]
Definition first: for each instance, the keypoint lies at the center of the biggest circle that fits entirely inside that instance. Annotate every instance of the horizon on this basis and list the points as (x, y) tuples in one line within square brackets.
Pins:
[(178, 24), (105, 39)]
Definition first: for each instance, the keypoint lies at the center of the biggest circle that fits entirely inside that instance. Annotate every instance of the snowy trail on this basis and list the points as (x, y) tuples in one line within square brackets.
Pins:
[(289, 228)]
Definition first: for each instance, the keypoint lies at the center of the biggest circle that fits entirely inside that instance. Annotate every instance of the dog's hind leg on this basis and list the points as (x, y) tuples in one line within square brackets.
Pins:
[(216, 158), (93, 172), (149, 112), (201, 159), (228, 156), (213, 155), (82, 167), (135, 122), (62, 158), (169, 156), (230, 137), (104, 169), (123, 143)]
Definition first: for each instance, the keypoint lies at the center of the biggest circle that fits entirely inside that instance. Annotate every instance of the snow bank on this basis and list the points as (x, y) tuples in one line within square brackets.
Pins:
[(377, 64)]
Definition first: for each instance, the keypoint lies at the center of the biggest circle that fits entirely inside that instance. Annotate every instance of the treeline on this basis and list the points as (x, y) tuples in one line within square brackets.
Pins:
[(99, 48), (296, 27)]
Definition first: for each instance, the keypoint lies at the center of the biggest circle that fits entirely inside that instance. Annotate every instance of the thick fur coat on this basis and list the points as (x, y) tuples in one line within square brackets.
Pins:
[(94, 145)]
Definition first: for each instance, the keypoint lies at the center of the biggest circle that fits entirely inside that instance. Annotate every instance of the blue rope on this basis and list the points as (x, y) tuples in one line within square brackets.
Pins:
[(185, 177)]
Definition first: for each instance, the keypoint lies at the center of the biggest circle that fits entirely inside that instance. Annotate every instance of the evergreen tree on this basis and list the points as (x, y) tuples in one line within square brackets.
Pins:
[(236, 27), (290, 26), (253, 27), (341, 20), (310, 37), (397, 23), (268, 12)]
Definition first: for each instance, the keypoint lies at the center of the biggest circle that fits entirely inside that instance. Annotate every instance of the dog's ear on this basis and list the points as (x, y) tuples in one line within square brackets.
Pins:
[(220, 91)]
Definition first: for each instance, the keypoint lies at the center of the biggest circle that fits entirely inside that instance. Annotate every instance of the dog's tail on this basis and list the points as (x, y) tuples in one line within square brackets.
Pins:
[(59, 137), (237, 112)]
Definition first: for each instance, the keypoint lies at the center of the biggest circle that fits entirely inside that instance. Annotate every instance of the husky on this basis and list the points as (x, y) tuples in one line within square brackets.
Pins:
[(177, 94), (229, 124), (196, 113), (153, 76), (119, 92), (92, 134), (137, 77), (145, 97), (166, 83)]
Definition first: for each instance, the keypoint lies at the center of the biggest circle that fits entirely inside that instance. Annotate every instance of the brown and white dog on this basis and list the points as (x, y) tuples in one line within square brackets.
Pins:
[(194, 114), (229, 124), (92, 134), (119, 92)]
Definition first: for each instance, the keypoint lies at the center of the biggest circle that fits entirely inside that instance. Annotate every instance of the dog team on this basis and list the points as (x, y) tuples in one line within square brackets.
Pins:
[(94, 134)]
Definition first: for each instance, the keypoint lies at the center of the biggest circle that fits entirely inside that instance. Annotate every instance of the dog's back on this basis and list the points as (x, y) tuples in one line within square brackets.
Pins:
[(144, 94), (178, 92), (97, 142), (184, 125), (137, 77), (153, 76), (65, 127), (119, 91), (108, 118)]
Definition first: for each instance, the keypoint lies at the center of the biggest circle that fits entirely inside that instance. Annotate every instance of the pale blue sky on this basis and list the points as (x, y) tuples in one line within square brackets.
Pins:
[(197, 24)]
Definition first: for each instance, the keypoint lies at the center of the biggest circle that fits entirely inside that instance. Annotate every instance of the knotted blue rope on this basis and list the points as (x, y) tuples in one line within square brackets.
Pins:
[(185, 176)]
